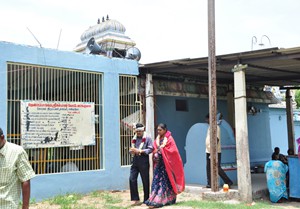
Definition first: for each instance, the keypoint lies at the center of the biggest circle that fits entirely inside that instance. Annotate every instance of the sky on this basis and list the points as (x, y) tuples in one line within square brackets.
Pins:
[(162, 29)]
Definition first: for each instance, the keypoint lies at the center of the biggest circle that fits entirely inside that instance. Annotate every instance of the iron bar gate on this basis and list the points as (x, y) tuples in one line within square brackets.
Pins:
[(130, 112), (32, 82)]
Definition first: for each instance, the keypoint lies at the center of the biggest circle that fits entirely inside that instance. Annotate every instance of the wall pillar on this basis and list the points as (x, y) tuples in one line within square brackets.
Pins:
[(290, 120), (242, 144), (150, 116), (149, 106), (230, 106)]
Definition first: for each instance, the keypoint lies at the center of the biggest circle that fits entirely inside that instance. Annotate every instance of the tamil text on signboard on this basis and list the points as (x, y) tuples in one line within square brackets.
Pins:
[(56, 124)]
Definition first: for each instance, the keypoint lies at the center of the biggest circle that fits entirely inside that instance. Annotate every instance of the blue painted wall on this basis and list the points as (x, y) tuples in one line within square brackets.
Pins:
[(180, 122), (294, 170), (195, 166), (278, 126), (112, 176), (259, 135)]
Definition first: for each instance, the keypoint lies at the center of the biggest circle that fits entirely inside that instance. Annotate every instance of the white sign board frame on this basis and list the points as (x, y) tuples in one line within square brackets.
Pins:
[(57, 124)]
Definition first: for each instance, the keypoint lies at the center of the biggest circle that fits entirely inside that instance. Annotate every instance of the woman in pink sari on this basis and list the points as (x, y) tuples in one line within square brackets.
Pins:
[(168, 177)]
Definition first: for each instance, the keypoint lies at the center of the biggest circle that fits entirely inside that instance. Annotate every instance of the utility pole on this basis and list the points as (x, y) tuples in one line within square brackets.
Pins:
[(212, 83), (289, 119)]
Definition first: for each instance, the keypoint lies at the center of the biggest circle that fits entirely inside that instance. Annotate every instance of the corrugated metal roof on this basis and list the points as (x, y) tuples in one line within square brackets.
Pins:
[(272, 66)]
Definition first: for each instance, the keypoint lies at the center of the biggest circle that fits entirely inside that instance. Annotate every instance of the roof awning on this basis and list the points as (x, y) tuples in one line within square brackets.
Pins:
[(272, 66)]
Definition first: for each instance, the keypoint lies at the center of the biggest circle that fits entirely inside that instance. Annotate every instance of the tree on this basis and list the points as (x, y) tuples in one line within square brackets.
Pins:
[(297, 98)]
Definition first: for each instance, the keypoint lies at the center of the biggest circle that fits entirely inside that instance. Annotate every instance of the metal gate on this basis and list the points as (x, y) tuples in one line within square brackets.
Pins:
[(130, 112), (32, 82)]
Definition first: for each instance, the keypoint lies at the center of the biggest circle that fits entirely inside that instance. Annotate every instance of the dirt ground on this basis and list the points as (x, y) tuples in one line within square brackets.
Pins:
[(95, 201), (99, 202)]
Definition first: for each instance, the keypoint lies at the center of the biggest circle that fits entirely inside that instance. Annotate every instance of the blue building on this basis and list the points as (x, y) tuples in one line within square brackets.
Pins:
[(278, 127), (183, 107), (52, 78), (180, 97), (101, 96)]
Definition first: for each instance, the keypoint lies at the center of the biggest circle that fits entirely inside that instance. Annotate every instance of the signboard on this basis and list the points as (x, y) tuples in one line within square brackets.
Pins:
[(57, 124)]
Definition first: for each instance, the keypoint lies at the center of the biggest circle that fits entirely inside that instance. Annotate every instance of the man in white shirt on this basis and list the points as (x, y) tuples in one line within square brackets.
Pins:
[(222, 174)]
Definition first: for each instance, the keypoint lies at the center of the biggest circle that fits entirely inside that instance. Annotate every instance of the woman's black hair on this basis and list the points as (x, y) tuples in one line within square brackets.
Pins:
[(290, 151), (163, 126)]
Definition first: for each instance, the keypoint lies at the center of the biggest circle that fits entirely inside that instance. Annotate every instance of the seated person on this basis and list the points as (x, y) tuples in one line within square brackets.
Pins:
[(276, 179), (290, 152), (281, 157)]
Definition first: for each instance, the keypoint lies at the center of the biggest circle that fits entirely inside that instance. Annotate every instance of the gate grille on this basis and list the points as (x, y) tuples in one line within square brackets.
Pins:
[(129, 113), (32, 82)]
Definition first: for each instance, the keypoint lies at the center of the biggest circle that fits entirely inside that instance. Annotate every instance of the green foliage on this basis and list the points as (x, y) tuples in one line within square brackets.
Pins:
[(109, 198), (217, 205), (65, 201), (32, 201), (95, 194), (114, 207), (70, 201), (84, 206), (297, 98)]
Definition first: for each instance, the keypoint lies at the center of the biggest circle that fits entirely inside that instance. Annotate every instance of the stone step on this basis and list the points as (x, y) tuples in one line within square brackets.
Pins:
[(232, 193)]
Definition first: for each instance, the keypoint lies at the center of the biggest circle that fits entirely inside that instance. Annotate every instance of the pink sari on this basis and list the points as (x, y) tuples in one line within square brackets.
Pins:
[(168, 176), (173, 164)]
